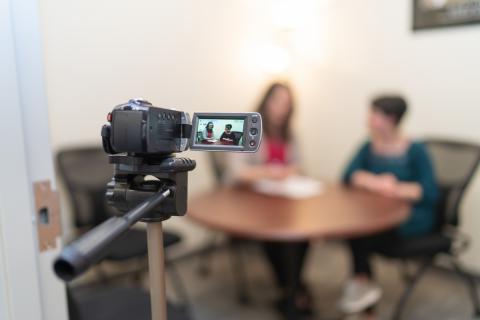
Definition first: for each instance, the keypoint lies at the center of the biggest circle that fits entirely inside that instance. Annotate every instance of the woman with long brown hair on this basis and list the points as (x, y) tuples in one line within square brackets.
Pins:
[(278, 159)]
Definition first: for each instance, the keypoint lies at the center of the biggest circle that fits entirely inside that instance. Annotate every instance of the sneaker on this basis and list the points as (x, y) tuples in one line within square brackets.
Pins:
[(359, 296)]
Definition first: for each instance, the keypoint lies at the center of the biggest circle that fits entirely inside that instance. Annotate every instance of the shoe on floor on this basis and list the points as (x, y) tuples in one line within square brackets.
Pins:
[(359, 296)]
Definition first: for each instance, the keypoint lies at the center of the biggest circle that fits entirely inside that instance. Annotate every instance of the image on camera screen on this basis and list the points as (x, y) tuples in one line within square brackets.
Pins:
[(220, 131)]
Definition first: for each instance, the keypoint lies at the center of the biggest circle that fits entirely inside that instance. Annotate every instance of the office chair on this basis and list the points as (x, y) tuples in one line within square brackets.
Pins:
[(85, 172), (238, 136), (455, 165), (199, 136)]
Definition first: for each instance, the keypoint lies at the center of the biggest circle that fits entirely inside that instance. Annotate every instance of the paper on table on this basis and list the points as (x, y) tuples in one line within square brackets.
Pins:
[(295, 187)]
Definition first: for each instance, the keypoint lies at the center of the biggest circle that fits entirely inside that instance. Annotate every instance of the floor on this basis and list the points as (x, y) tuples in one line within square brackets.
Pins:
[(440, 295)]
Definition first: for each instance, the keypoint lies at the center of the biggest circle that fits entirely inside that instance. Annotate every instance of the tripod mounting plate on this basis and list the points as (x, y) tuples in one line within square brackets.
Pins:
[(151, 165), (136, 178)]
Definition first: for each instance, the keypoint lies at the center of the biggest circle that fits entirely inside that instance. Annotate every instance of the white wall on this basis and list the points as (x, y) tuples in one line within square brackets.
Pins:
[(192, 55), (195, 55), (374, 50), (185, 54)]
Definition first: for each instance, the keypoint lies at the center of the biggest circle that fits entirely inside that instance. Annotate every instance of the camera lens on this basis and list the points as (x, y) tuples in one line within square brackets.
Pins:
[(253, 131)]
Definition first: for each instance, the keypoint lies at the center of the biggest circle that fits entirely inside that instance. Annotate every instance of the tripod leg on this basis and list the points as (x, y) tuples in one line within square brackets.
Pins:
[(156, 265)]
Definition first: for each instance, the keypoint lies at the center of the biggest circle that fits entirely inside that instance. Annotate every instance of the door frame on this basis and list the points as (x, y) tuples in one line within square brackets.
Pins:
[(28, 287)]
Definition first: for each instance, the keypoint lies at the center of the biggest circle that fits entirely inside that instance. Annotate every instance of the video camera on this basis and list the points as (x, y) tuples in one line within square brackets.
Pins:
[(149, 182), (137, 127)]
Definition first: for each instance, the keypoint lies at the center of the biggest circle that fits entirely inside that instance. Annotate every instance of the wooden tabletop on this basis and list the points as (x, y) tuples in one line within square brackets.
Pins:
[(338, 212)]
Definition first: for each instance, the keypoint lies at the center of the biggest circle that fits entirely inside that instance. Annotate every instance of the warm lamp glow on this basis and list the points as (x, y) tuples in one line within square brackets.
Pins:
[(285, 14), (271, 59), (292, 35)]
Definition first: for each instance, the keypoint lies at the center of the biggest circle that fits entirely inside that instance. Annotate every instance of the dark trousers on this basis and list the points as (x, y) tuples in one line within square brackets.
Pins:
[(363, 248), (287, 260)]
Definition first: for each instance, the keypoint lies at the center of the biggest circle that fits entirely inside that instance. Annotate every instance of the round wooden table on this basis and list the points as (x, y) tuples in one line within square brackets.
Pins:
[(338, 212)]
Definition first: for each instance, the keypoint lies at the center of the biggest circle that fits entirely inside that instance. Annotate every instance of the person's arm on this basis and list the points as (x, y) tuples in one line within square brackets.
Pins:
[(370, 181), (261, 171), (253, 173), (385, 184), (204, 134), (425, 187), (410, 191), (249, 168), (355, 173)]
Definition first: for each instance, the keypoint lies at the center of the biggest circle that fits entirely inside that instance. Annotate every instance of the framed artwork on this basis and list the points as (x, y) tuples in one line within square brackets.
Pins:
[(428, 14)]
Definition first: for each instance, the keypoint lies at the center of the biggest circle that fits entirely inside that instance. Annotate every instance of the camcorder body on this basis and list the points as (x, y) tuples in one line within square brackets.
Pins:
[(139, 128), (142, 141)]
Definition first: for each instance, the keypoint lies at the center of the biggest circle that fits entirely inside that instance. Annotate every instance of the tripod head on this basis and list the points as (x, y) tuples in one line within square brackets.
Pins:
[(137, 178)]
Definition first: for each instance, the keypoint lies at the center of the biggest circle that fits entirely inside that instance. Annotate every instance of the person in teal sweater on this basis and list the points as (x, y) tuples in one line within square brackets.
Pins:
[(391, 165)]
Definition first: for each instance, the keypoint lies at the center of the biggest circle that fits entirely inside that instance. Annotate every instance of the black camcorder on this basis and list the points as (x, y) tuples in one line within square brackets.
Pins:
[(150, 183), (137, 127)]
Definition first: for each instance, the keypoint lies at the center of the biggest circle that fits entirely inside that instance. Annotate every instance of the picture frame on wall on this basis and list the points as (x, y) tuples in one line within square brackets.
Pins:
[(429, 14)]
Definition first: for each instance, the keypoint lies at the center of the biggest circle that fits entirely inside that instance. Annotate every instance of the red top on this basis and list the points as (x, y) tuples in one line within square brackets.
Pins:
[(276, 151), (209, 134)]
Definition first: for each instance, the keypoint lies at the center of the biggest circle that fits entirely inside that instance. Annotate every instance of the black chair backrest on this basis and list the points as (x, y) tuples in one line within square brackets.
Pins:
[(238, 136), (455, 165), (199, 136), (85, 171)]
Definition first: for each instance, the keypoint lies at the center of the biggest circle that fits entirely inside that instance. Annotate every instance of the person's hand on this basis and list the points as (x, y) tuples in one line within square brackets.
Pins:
[(387, 185), (278, 172)]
